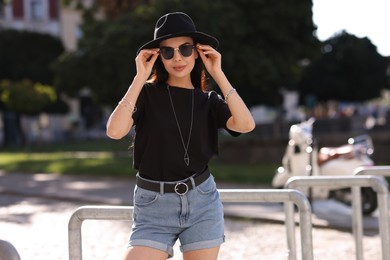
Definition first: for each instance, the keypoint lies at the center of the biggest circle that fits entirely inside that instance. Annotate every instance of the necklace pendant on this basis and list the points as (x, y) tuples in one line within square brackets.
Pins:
[(187, 159), (186, 156)]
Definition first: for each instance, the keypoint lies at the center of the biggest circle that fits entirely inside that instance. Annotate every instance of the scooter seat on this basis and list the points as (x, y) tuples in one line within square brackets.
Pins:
[(330, 153)]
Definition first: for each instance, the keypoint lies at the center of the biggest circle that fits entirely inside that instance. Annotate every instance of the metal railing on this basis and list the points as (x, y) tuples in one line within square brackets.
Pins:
[(227, 195), (8, 251), (373, 170), (354, 182), (92, 212), (272, 195), (367, 170)]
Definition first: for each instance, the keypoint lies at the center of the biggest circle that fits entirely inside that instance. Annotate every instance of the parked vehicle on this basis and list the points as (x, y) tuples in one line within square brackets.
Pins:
[(303, 158)]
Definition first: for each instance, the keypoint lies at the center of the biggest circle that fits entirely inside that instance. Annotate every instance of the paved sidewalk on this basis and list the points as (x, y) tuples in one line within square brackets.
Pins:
[(34, 201)]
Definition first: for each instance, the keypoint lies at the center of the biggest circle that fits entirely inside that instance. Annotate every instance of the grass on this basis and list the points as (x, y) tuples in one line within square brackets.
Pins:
[(110, 158)]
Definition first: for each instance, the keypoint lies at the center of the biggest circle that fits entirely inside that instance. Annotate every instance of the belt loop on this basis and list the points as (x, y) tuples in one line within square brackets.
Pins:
[(162, 188), (192, 182)]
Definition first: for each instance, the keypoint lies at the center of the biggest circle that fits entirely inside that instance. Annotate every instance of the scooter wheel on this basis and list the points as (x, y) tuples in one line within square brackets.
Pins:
[(369, 201), (368, 197)]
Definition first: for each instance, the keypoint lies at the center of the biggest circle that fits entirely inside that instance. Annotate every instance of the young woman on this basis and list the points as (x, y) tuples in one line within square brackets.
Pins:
[(176, 124)]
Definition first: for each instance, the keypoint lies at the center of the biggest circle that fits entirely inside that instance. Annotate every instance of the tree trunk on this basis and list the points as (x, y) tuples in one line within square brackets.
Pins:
[(12, 130)]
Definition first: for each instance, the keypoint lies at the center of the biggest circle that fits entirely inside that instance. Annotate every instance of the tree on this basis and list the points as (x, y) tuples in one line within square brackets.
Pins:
[(350, 69), (25, 76), (114, 9), (26, 97), (22, 97), (3, 3), (111, 9), (262, 43), (104, 62), (25, 54)]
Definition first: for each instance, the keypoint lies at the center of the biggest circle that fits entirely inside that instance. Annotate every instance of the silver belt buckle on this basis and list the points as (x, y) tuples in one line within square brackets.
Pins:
[(181, 188)]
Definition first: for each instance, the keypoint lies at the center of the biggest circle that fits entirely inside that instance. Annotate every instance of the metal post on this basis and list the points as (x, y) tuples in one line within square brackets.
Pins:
[(357, 221), (290, 230), (382, 170), (8, 251), (92, 212), (379, 186), (272, 195), (384, 225)]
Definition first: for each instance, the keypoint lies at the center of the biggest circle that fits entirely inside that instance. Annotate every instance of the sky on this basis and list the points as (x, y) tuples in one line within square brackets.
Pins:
[(362, 18)]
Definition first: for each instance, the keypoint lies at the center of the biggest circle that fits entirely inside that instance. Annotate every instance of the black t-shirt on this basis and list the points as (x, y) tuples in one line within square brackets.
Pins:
[(158, 148)]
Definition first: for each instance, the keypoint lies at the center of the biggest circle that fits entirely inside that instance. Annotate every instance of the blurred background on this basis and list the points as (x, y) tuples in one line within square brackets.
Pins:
[(65, 64)]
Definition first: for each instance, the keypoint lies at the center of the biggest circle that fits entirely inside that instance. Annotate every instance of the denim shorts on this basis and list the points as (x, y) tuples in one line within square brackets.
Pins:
[(196, 219)]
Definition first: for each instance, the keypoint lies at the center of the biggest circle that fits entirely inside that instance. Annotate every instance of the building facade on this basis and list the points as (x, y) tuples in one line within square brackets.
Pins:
[(43, 16), (32, 15)]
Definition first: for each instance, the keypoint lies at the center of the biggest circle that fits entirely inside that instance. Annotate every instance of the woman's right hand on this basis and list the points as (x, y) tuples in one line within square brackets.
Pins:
[(145, 61)]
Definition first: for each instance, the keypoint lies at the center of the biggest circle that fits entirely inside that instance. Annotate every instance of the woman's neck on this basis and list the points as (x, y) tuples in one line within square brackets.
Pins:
[(181, 83)]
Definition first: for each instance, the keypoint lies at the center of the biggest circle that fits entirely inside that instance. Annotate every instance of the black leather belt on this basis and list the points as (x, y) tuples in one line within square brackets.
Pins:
[(180, 188)]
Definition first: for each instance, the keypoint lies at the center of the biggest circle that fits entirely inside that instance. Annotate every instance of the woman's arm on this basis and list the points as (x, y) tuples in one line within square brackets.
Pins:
[(120, 121), (241, 119)]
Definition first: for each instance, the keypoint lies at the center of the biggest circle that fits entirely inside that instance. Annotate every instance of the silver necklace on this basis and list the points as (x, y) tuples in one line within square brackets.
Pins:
[(186, 156)]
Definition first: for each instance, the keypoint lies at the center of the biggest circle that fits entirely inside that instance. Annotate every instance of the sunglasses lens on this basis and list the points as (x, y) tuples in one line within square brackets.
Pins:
[(167, 52), (186, 50)]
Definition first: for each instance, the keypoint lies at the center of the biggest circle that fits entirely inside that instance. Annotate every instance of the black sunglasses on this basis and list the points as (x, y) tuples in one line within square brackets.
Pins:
[(168, 52)]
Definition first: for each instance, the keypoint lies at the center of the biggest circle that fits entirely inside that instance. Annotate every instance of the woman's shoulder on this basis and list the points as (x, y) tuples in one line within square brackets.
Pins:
[(213, 96), (151, 87)]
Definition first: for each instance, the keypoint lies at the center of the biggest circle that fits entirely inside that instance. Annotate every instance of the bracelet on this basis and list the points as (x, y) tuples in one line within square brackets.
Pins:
[(128, 104), (229, 93)]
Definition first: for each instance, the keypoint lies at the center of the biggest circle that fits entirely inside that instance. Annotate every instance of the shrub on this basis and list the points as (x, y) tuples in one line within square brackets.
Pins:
[(25, 96)]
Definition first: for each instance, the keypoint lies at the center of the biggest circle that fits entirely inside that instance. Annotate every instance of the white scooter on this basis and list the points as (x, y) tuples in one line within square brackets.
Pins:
[(302, 158)]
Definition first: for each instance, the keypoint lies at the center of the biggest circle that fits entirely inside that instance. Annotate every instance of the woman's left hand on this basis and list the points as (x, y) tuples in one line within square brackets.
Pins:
[(211, 58), (241, 119)]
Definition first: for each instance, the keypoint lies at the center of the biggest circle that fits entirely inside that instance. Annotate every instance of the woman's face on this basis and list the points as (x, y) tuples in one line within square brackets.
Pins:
[(180, 63)]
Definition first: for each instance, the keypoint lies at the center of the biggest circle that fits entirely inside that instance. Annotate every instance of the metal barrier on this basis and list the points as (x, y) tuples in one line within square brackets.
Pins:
[(355, 182), (366, 170), (280, 196), (227, 195), (92, 212), (8, 251), (373, 170)]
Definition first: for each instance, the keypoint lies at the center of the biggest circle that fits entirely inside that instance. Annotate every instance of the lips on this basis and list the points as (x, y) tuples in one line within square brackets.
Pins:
[(179, 68)]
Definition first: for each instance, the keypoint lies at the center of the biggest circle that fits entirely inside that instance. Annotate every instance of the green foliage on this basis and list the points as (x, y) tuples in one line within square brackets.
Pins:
[(26, 54), (105, 60), (262, 43), (107, 157), (350, 69), (4, 3), (25, 96)]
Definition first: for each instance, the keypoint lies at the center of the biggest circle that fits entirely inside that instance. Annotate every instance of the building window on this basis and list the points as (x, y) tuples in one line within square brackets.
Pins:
[(36, 10), (53, 9), (17, 9)]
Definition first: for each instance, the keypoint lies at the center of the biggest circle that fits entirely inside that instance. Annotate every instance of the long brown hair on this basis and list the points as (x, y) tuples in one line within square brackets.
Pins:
[(198, 74)]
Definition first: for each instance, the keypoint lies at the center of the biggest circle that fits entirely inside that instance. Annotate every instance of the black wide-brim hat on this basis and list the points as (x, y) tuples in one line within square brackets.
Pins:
[(174, 25)]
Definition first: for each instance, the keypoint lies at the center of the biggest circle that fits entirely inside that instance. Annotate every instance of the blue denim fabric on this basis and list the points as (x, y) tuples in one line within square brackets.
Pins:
[(196, 218)]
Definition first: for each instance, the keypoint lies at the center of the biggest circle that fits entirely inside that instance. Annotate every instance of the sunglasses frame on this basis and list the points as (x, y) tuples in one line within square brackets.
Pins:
[(192, 46)]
